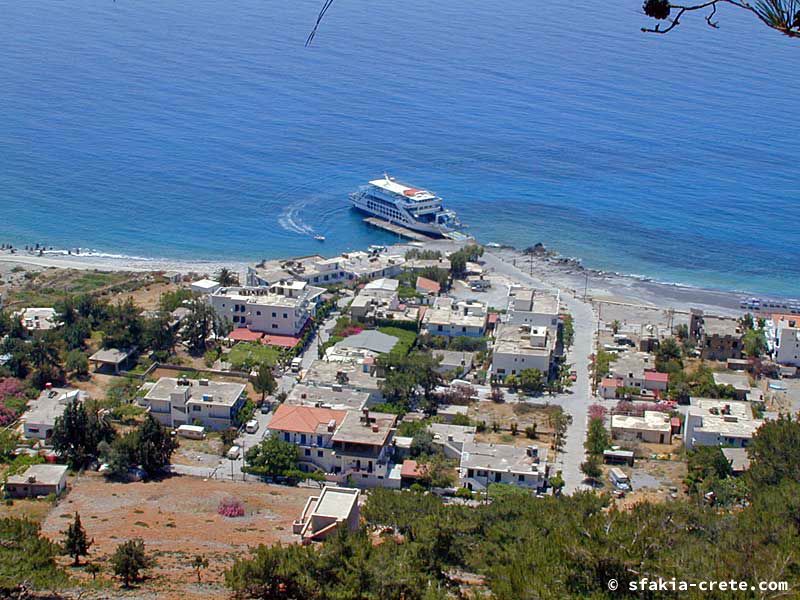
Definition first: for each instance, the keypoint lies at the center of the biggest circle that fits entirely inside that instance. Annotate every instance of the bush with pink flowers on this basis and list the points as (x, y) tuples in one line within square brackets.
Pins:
[(231, 507)]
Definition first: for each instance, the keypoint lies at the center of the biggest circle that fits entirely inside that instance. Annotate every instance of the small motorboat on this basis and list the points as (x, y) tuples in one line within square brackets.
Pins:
[(319, 238)]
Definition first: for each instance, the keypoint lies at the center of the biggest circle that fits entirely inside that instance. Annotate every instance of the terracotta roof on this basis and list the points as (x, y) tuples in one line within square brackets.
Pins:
[(305, 419), (242, 334), (411, 469), (284, 341), (611, 382), (493, 318), (656, 376), (428, 285)]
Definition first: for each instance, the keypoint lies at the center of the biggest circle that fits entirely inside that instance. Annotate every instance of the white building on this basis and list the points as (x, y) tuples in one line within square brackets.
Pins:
[(281, 309), (450, 318), (353, 447), (484, 464), (520, 347), (317, 270), (322, 515), (334, 396), (212, 404), (451, 438), (533, 307), (786, 344), (711, 422), (37, 480), (204, 286), (653, 427), (38, 319), (39, 420)]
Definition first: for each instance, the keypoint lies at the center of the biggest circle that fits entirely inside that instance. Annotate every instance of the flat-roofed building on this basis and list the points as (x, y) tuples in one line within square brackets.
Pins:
[(116, 358), (653, 427), (178, 401), (786, 339), (451, 438), (450, 318), (484, 464), (333, 509), (204, 286), (39, 420), (334, 396), (712, 422), (740, 382), (455, 364), (38, 319), (347, 268), (537, 308), (37, 480), (353, 370), (718, 338), (363, 445), (284, 308), (521, 347)]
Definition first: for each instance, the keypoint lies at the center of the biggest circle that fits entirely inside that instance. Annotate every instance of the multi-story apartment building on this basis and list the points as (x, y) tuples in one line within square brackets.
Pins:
[(281, 309)]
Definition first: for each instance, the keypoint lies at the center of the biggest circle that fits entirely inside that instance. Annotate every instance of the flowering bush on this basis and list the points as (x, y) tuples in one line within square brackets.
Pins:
[(352, 330), (231, 507), (597, 411), (10, 387)]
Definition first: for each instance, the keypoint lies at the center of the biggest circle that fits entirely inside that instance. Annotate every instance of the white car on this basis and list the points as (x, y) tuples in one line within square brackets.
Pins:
[(251, 426), (234, 452)]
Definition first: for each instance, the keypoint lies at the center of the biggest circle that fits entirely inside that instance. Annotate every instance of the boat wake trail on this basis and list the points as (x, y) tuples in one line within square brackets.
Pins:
[(291, 219)]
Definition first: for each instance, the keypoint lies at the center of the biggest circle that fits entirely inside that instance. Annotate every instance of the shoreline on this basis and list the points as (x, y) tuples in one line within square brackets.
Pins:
[(566, 274)]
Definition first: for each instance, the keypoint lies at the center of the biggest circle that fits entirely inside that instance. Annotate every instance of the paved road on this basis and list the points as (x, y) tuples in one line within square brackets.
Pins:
[(576, 402)]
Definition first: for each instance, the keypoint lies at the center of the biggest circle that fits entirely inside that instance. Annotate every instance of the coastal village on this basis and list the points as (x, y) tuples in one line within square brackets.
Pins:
[(204, 413)]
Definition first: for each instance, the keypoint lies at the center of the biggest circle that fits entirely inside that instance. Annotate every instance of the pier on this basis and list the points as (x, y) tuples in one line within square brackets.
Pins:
[(398, 229)]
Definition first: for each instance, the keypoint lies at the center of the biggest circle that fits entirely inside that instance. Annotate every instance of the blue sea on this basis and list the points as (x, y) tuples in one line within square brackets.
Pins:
[(206, 130)]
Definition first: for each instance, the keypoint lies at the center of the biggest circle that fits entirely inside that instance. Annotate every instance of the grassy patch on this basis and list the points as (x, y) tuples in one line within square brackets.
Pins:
[(405, 337), (246, 355)]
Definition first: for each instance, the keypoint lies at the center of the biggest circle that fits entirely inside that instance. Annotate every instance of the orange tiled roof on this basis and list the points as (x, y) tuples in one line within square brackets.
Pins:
[(304, 419)]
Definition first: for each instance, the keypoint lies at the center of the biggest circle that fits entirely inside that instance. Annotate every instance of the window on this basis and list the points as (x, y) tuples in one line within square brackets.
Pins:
[(196, 408), (302, 438), (521, 478), (320, 454), (285, 316), (286, 436), (258, 313), (274, 315), (307, 452), (274, 325), (319, 440)]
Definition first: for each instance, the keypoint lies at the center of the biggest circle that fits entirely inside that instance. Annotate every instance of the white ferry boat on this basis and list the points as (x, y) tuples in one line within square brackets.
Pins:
[(409, 207)]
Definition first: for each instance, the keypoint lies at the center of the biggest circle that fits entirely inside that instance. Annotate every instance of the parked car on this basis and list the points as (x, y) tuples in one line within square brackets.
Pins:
[(619, 479), (234, 452), (251, 426)]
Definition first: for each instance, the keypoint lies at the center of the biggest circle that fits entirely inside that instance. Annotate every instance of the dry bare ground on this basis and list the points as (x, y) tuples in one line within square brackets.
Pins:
[(177, 519)]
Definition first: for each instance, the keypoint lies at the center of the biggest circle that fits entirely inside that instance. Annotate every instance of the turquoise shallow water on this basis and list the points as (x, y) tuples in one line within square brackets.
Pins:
[(206, 130)]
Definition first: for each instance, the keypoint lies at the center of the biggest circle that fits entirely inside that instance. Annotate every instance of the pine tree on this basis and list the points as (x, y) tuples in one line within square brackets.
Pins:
[(264, 382), (76, 544), (129, 560)]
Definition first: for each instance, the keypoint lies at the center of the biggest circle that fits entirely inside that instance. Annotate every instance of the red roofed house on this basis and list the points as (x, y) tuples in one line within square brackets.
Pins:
[(346, 445), (428, 288), (655, 381), (410, 472), (312, 429), (608, 387)]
